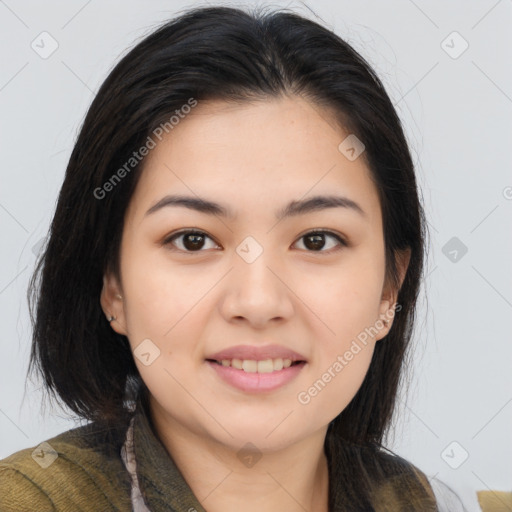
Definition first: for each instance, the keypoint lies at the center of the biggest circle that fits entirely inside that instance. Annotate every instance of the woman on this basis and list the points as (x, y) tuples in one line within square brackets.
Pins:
[(229, 286)]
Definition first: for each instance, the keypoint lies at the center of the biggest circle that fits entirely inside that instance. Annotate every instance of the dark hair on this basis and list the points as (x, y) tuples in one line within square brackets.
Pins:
[(225, 54)]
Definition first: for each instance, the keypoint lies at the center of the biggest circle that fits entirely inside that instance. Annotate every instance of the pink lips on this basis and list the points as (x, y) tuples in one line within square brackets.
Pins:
[(256, 382), (257, 353)]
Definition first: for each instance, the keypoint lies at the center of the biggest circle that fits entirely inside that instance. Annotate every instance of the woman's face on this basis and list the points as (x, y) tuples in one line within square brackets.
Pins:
[(257, 275)]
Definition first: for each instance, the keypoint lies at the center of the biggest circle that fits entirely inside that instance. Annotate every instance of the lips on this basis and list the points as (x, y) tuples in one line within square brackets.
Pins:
[(256, 353), (257, 369)]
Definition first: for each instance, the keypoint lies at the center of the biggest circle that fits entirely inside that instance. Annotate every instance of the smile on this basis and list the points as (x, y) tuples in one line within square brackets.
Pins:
[(256, 376), (253, 366)]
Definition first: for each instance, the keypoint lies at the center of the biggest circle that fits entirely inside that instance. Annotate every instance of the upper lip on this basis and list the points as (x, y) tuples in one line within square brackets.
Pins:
[(257, 353)]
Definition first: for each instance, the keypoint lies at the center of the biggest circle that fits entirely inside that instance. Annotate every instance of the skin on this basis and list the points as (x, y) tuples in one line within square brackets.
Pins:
[(253, 158)]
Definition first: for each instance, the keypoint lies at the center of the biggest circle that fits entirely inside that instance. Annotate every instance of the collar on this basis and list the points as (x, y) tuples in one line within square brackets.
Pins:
[(157, 483), (159, 486)]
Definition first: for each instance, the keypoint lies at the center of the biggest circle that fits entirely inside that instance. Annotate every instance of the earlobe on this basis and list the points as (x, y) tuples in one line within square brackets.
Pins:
[(388, 303), (112, 304), (385, 321)]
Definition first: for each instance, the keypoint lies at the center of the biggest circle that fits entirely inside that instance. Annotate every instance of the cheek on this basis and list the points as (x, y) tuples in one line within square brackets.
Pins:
[(161, 297), (336, 380), (338, 390), (349, 311), (343, 301)]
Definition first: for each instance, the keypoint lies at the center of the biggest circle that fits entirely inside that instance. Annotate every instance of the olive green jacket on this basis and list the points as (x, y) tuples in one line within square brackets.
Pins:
[(81, 471), (88, 474)]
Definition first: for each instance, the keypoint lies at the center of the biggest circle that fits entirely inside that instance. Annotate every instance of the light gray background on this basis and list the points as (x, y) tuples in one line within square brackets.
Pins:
[(457, 114)]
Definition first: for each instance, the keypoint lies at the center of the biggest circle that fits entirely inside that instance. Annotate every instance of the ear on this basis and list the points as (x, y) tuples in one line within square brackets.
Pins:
[(111, 300), (390, 293)]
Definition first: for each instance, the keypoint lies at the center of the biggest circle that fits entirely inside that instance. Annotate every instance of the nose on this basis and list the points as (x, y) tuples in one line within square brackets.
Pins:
[(257, 292)]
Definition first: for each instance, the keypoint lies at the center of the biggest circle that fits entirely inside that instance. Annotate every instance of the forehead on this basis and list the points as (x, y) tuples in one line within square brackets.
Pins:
[(248, 153)]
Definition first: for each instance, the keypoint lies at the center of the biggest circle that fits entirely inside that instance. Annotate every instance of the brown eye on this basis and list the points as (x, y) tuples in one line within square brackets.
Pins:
[(315, 241), (191, 241)]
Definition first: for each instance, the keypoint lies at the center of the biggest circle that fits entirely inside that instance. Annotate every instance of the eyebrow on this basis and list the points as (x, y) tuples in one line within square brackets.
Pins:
[(293, 208)]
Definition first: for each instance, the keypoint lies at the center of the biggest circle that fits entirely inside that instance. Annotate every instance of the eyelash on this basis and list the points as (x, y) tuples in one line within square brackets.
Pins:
[(342, 243)]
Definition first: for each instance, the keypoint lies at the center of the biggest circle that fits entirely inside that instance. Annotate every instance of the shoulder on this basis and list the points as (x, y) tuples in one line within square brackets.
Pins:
[(402, 484), (79, 470), (371, 477), (424, 489)]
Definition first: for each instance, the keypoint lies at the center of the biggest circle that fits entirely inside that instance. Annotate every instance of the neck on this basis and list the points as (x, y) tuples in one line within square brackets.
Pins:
[(294, 478)]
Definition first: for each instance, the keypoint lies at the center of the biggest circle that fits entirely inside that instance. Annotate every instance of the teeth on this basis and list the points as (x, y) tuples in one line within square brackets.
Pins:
[(252, 366)]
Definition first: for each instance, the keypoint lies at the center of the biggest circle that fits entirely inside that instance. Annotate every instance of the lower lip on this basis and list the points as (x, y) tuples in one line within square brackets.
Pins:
[(256, 382)]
